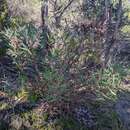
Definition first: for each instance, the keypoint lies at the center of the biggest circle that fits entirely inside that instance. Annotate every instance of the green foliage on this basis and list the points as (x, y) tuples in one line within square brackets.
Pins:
[(108, 81), (4, 44), (39, 121), (3, 13), (4, 106), (22, 39), (22, 95), (126, 30), (108, 119), (56, 86), (69, 123)]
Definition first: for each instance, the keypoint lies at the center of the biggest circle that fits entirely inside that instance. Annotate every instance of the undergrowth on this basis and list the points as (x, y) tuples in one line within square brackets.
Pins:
[(53, 83)]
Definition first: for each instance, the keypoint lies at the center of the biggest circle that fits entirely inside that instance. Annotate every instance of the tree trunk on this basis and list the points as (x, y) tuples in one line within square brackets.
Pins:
[(44, 34), (111, 38)]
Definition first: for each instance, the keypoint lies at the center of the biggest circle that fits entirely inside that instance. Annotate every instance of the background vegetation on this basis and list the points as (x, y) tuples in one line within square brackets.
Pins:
[(64, 64)]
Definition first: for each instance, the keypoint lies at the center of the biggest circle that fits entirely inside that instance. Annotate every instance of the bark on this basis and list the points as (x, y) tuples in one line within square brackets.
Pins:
[(111, 38), (44, 27), (42, 49)]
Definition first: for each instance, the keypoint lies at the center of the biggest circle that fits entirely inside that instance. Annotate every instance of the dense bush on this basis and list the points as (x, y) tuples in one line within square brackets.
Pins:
[(63, 83)]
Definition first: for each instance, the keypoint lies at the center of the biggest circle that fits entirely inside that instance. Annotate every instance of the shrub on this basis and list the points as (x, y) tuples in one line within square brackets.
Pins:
[(3, 14), (108, 80)]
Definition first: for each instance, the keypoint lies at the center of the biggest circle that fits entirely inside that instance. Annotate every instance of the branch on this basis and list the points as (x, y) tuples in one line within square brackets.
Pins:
[(58, 18)]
